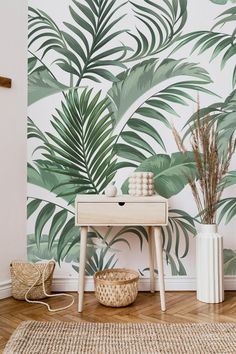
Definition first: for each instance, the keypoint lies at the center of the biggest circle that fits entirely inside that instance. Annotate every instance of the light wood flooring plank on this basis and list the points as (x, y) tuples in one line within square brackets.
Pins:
[(181, 307)]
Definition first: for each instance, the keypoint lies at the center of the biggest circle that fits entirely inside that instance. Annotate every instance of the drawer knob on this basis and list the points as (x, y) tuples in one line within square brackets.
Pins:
[(121, 203)]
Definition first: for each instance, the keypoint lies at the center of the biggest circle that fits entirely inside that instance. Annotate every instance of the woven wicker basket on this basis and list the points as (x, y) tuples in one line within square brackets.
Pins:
[(116, 287), (24, 275)]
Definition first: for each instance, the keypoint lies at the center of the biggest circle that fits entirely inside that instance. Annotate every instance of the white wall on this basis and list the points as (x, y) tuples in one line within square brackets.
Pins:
[(13, 114)]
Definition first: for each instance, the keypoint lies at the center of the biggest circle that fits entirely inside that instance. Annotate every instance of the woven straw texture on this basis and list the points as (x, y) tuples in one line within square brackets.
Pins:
[(116, 287), (113, 338), (24, 275)]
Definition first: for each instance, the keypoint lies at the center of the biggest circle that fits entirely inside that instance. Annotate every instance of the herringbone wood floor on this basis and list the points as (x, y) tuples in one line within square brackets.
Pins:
[(181, 307)]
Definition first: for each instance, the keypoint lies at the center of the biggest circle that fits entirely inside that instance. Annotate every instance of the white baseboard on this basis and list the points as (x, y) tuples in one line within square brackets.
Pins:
[(5, 289), (172, 283), (230, 282)]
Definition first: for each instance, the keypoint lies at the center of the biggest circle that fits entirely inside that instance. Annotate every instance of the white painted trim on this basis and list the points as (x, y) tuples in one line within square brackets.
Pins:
[(5, 289), (230, 282), (172, 283)]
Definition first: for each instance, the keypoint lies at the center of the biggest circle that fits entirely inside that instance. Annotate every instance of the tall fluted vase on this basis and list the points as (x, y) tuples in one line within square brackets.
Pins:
[(209, 259)]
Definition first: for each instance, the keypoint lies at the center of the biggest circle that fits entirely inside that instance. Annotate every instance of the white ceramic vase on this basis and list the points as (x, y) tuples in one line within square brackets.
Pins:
[(209, 258)]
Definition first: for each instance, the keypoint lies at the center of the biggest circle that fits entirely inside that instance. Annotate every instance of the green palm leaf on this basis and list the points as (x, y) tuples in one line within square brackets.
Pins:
[(171, 173), (58, 221), (220, 2), (48, 215), (35, 253), (228, 209), (34, 132), (46, 36), (180, 224), (229, 179), (84, 53), (229, 262), (70, 252), (139, 98), (227, 16), (32, 206), (41, 83), (69, 236), (220, 43), (101, 18), (39, 175), (42, 25), (105, 256), (175, 240), (82, 146), (223, 115), (226, 123), (146, 76), (163, 21), (138, 231), (44, 215), (62, 236), (32, 62)]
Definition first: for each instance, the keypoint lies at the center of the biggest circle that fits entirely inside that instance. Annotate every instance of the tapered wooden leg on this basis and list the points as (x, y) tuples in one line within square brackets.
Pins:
[(83, 244), (159, 255), (151, 246)]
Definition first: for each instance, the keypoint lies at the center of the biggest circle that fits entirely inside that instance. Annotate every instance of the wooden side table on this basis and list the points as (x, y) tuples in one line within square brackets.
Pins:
[(99, 210)]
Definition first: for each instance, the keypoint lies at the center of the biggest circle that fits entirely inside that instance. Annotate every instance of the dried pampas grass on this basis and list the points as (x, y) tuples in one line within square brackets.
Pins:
[(211, 165)]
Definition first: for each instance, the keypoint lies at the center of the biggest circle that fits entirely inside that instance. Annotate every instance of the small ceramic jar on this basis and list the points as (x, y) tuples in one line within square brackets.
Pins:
[(141, 183), (110, 190)]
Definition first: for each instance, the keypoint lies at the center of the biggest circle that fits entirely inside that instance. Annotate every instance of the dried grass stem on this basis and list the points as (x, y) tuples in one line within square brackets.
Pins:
[(211, 165)]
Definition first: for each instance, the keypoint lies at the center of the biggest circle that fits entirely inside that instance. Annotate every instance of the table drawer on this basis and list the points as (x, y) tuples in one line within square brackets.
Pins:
[(121, 213)]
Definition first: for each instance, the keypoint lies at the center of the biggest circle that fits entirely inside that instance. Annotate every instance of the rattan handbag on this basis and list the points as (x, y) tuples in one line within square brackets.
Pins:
[(32, 282)]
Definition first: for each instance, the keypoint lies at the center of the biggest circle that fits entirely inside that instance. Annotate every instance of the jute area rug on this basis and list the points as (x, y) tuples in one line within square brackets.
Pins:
[(34, 337)]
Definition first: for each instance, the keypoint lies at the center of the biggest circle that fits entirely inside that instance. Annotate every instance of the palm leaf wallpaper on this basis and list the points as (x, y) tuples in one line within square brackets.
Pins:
[(108, 79)]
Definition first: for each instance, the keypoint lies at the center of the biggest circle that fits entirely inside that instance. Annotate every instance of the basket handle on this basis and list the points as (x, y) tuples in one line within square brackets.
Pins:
[(45, 293)]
